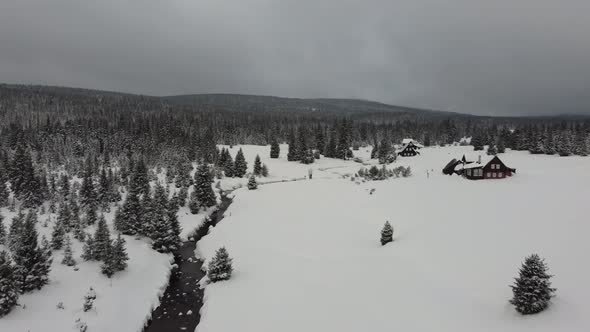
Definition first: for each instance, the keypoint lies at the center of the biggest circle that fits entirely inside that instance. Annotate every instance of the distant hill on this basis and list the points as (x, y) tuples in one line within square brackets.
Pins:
[(237, 102)]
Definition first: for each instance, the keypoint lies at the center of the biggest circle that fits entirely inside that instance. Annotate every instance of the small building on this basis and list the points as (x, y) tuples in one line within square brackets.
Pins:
[(493, 169), (409, 148)]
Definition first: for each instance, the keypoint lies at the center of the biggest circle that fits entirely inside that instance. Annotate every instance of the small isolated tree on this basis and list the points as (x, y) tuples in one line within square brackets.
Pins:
[(264, 170), (57, 236), (88, 250), (386, 233), (108, 266), (257, 166), (68, 255), (220, 266), (120, 257), (252, 183), (532, 289), (8, 284), (275, 150), (240, 164), (89, 299)]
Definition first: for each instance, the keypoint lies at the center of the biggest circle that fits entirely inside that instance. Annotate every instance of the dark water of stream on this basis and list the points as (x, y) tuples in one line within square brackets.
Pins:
[(182, 300)]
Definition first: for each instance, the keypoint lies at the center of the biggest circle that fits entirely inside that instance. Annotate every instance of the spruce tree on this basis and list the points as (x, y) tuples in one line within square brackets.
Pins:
[(57, 235), (228, 166), (33, 264), (140, 183), (240, 164), (64, 186), (108, 261), (3, 236), (64, 217), (87, 192), (275, 149), (120, 256), (193, 202), (532, 289), (104, 190), (293, 152), (385, 154), (68, 254), (78, 228), (252, 185), (128, 218), (102, 239), (492, 151), (564, 145), (257, 166), (182, 196), (15, 231), (220, 266), (386, 233), (24, 183), (4, 194), (477, 142), (501, 145), (88, 249), (175, 228), (8, 284), (91, 215), (203, 190)]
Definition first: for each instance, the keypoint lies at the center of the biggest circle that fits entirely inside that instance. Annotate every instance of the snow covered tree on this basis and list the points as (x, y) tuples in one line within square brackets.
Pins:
[(164, 237), (252, 183), (57, 235), (3, 239), (203, 190), (87, 192), (24, 183), (182, 196), (4, 194), (108, 261), (492, 151), (64, 216), (128, 218), (89, 299), (120, 256), (140, 183), (257, 166), (386, 233), (500, 145), (88, 249), (275, 149), (91, 215), (477, 141), (32, 263), (532, 289), (385, 154), (564, 145), (68, 254), (293, 152), (102, 239), (8, 284), (15, 231), (220, 267), (240, 164), (193, 202)]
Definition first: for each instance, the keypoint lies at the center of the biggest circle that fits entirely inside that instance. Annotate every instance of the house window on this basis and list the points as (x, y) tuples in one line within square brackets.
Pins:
[(500, 175), (494, 174), (489, 175), (468, 172)]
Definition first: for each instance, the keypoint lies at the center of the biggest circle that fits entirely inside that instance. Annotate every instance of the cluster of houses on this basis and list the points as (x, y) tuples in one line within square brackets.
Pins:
[(491, 168)]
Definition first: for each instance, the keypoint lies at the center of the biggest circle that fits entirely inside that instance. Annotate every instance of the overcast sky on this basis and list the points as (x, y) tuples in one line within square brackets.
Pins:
[(483, 57)]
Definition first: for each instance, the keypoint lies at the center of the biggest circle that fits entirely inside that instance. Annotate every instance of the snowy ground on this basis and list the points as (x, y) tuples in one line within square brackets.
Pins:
[(307, 255)]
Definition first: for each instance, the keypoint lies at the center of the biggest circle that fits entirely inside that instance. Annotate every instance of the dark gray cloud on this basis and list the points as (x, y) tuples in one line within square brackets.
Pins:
[(483, 57)]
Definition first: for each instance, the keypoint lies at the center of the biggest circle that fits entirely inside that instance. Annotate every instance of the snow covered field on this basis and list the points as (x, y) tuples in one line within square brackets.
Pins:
[(307, 255)]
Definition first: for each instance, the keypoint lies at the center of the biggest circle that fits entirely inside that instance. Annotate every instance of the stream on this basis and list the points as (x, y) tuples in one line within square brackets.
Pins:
[(179, 306)]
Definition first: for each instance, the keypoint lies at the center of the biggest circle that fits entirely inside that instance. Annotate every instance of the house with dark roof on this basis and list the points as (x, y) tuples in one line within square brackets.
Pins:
[(492, 169), (409, 148)]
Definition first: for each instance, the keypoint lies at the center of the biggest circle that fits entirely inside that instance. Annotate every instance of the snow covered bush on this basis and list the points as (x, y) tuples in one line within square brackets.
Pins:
[(220, 267), (89, 299), (532, 289), (8, 286), (386, 233)]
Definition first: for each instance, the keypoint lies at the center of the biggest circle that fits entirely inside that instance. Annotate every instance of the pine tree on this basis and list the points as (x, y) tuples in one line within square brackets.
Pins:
[(492, 151), (64, 217), (68, 254), (3, 239), (193, 202), (182, 196), (64, 186), (87, 192), (108, 265), (24, 183), (120, 257), (91, 215), (128, 218), (220, 266), (4, 194), (532, 289), (8, 284), (15, 231), (240, 164), (203, 190), (102, 239), (257, 166), (385, 154), (275, 149), (386, 234), (228, 165), (174, 242), (78, 228), (57, 235), (252, 185), (88, 253), (501, 145), (293, 152), (564, 145), (477, 142), (104, 191), (33, 264)]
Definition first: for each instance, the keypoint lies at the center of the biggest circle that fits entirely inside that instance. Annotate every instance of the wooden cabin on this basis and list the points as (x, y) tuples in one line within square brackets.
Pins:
[(409, 148), (493, 169)]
